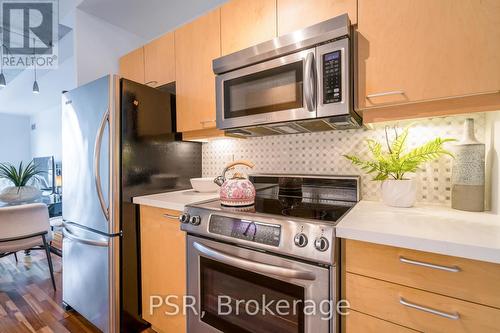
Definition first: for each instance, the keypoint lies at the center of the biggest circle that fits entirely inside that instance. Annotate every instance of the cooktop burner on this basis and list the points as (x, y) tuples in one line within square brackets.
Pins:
[(324, 210)]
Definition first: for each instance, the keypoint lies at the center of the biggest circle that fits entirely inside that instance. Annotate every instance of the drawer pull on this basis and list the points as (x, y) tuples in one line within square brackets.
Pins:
[(170, 216), (453, 269), (453, 316), (387, 93)]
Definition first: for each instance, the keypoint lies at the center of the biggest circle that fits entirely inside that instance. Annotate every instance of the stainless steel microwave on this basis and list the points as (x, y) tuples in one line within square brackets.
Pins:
[(300, 82)]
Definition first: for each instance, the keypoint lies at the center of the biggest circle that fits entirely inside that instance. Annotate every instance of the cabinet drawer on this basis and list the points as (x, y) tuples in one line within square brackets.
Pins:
[(470, 280), (357, 322), (162, 214), (417, 309)]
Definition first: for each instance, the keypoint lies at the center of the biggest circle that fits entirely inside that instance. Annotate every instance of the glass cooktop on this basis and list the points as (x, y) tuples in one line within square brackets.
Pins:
[(324, 201)]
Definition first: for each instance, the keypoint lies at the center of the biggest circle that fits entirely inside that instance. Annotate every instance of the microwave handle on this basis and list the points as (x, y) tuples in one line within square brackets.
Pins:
[(310, 82)]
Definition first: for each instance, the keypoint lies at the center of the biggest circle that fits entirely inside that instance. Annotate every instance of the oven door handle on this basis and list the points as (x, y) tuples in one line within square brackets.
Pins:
[(252, 265)]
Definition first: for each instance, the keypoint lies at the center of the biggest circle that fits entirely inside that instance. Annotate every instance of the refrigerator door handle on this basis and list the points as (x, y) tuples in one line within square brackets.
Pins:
[(68, 234), (97, 164)]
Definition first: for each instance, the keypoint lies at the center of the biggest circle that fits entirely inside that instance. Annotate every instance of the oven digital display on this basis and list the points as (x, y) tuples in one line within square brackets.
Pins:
[(263, 233)]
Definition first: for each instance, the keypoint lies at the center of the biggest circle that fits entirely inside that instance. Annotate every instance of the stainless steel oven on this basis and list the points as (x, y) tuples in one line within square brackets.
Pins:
[(283, 248), (300, 82), (233, 284)]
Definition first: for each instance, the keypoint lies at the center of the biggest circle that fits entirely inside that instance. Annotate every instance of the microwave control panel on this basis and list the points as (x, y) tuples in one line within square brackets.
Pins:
[(332, 76)]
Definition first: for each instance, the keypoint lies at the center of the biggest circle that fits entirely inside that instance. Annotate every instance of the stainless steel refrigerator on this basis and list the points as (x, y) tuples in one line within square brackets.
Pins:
[(119, 141)]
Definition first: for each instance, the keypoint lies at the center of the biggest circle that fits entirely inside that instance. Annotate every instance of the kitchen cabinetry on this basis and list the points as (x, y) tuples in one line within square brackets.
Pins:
[(159, 60), (196, 45), (246, 23), (132, 65), (299, 14), (419, 290), (422, 50), (163, 266)]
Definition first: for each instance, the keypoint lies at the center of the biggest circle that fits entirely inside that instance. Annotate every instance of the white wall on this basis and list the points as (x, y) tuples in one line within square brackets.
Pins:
[(46, 137), (14, 138), (98, 46)]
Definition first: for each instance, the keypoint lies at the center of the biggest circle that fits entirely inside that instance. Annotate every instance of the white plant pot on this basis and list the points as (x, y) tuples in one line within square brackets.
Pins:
[(399, 193), (23, 194)]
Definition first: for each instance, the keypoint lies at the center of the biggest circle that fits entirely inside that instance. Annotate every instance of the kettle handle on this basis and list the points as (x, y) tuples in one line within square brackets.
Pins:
[(239, 162), (222, 178)]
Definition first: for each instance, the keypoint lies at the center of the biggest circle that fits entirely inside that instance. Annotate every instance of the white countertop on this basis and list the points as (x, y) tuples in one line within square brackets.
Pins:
[(175, 200), (429, 228)]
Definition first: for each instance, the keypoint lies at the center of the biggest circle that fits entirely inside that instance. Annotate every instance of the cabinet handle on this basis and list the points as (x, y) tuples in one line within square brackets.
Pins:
[(453, 269), (170, 216), (386, 93), (453, 316)]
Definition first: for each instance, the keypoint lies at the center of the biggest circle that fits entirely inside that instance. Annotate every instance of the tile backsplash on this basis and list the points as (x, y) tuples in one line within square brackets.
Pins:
[(321, 153)]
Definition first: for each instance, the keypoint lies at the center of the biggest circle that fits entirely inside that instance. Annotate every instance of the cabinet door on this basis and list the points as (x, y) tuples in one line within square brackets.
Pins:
[(159, 61), (196, 45), (132, 65), (299, 14), (163, 267), (416, 50), (246, 23)]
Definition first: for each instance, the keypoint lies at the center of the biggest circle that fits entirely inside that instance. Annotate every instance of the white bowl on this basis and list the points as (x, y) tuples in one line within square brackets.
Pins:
[(204, 185)]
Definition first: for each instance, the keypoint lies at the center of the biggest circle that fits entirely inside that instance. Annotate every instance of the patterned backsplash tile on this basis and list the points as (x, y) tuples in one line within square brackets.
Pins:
[(321, 153)]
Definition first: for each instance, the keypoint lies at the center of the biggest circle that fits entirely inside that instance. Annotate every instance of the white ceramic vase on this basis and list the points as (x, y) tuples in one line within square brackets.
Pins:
[(23, 194), (399, 193)]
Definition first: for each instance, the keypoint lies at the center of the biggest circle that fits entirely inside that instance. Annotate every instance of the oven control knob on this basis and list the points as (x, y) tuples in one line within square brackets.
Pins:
[(321, 244), (195, 220), (300, 240), (184, 218)]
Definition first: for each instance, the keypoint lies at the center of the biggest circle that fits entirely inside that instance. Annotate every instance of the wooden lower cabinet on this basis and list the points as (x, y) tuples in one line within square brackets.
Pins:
[(407, 290), (163, 267), (385, 300), (404, 266), (357, 322)]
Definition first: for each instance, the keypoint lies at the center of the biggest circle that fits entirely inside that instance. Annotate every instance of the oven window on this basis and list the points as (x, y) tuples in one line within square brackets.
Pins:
[(232, 300), (271, 90)]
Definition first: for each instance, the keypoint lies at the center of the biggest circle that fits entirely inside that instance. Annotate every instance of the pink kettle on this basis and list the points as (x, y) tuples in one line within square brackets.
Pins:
[(236, 191)]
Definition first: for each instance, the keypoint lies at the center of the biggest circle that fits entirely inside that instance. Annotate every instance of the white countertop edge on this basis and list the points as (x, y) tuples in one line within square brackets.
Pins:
[(422, 244), (158, 203), (175, 200)]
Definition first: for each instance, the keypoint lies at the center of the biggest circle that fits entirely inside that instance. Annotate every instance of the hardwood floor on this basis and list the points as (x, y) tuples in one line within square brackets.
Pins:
[(27, 301)]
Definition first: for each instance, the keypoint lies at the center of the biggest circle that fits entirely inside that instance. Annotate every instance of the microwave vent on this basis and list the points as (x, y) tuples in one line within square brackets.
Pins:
[(318, 125)]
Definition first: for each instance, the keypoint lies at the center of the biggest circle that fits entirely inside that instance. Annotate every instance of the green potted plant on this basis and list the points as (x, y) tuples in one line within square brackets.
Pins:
[(391, 166), (19, 177)]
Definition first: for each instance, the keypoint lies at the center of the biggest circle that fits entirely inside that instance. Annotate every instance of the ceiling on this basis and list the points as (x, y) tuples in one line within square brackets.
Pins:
[(148, 18), (145, 18)]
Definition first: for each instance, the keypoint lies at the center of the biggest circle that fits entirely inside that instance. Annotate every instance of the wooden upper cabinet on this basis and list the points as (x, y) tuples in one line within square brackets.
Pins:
[(159, 60), (246, 23), (299, 14), (132, 65), (417, 50), (196, 45)]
